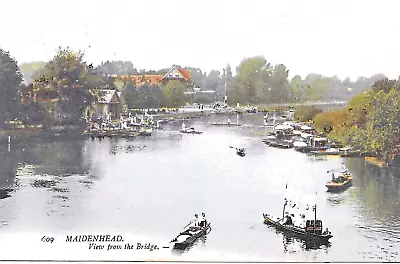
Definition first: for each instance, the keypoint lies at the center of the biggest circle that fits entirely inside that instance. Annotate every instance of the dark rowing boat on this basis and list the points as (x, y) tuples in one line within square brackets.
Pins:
[(241, 153), (189, 236)]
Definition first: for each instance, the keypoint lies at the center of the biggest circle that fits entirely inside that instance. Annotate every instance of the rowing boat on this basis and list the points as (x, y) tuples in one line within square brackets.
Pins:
[(189, 236)]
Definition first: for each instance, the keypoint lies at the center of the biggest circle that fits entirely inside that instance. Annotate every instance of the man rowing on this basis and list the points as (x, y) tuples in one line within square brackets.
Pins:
[(203, 221)]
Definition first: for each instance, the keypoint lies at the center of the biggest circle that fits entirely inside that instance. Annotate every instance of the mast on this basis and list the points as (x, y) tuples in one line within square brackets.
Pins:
[(284, 205), (315, 213), (226, 78)]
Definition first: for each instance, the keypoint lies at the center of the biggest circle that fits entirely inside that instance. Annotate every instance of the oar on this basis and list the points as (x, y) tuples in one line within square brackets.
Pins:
[(188, 225)]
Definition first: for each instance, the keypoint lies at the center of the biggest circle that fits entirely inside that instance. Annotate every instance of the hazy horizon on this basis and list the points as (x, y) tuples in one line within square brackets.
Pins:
[(342, 38)]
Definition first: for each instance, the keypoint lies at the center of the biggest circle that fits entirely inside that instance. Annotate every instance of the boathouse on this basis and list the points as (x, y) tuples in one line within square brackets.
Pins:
[(108, 105)]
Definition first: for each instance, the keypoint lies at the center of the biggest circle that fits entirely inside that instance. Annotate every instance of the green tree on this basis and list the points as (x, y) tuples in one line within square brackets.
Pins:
[(74, 86), (10, 84), (130, 94), (281, 90), (298, 88), (174, 92)]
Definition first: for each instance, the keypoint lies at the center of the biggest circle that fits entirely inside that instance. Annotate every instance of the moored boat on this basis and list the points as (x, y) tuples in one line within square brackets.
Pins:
[(145, 133), (190, 130), (343, 152)]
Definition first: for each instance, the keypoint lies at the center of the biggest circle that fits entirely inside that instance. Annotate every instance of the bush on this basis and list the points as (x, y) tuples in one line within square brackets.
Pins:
[(328, 121), (306, 113)]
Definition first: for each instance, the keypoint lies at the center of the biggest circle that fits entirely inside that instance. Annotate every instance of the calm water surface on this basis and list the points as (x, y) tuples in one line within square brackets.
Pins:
[(148, 189)]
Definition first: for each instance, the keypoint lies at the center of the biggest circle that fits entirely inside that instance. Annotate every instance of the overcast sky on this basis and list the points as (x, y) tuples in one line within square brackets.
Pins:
[(342, 37)]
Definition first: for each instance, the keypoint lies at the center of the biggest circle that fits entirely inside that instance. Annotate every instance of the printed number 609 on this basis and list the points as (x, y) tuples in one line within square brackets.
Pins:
[(47, 239)]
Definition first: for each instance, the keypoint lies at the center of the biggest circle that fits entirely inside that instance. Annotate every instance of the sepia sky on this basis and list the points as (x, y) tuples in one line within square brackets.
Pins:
[(342, 37)]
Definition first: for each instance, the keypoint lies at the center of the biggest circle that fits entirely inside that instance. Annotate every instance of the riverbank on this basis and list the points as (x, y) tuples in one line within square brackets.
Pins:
[(24, 133)]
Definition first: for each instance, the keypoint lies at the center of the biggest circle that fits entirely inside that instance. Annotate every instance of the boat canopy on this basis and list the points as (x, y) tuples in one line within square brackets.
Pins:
[(283, 127), (306, 135), (299, 144), (287, 127), (305, 127), (320, 139), (288, 123)]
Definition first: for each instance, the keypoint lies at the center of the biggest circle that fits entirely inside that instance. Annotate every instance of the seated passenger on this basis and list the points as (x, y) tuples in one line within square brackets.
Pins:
[(203, 221), (288, 220)]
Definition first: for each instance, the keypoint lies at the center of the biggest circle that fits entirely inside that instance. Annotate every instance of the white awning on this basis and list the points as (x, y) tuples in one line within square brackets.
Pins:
[(305, 135), (299, 144), (305, 127)]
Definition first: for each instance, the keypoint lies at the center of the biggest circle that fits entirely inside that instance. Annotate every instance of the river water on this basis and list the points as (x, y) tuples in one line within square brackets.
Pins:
[(147, 189)]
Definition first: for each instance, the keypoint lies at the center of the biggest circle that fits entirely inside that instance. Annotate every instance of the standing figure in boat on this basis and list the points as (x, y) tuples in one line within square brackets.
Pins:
[(288, 219)]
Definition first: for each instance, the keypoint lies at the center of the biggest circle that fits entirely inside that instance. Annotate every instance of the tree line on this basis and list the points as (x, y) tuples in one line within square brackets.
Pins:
[(370, 122), (72, 84), (257, 81)]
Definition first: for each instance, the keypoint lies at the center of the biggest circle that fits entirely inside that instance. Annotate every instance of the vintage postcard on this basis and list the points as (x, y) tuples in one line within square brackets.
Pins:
[(201, 131)]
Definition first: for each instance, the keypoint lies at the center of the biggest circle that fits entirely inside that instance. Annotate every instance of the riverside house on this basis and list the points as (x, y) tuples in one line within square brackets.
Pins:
[(108, 105), (175, 73)]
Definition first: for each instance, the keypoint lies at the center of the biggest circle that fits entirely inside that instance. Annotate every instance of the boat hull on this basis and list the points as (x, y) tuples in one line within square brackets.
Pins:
[(336, 153), (191, 132), (338, 187), (297, 231), (190, 240), (241, 154), (308, 149)]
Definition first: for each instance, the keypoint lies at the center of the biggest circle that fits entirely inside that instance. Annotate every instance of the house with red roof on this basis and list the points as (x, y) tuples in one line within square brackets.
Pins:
[(174, 74), (177, 74)]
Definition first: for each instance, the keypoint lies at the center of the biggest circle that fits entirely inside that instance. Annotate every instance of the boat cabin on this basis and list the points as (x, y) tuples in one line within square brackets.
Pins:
[(339, 179), (318, 142), (283, 130), (314, 226)]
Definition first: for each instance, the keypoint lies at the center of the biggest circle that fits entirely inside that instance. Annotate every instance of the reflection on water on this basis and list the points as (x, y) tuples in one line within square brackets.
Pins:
[(147, 185), (292, 244), (5, 193), (336, 198)]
